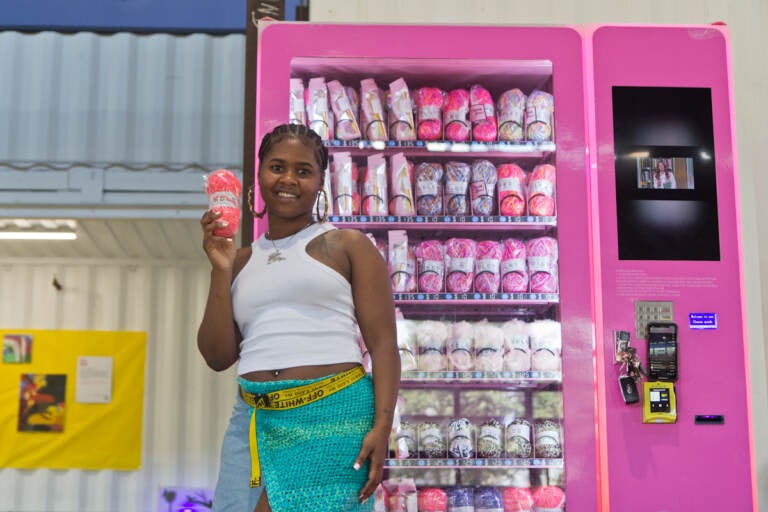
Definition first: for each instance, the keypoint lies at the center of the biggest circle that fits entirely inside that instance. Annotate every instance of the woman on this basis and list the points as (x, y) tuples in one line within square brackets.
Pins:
[(287, 309), (663, 177)]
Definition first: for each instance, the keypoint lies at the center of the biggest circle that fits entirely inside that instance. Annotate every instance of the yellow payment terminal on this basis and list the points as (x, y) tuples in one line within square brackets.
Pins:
[(660, 405)]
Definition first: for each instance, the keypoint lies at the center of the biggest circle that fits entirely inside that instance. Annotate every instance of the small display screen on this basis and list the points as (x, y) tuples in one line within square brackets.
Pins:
[(666, 187), (665, 173), (662, 329)]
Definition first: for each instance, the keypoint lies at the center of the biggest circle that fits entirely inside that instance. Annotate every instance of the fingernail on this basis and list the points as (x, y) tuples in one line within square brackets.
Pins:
[(224, 224), (229, 239), (356, 466)]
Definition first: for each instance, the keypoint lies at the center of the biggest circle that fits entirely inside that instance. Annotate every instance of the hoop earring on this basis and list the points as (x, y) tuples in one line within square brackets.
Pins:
[(260, 214), (321, 218)]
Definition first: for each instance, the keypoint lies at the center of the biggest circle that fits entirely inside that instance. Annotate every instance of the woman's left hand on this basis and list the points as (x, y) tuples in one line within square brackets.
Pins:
[(374, 449)]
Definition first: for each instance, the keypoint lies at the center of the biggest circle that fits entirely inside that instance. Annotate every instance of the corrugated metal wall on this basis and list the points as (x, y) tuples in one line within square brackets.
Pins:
[(121, 98)]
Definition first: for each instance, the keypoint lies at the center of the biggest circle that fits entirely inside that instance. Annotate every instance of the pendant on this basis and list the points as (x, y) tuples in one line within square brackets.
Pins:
[(275, 256)]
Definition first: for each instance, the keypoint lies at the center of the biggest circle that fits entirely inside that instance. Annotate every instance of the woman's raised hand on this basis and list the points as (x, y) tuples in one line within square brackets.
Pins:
[(221, 251)]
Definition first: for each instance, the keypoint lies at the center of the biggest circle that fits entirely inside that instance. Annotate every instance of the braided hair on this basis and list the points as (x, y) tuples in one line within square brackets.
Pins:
[(299, 131)]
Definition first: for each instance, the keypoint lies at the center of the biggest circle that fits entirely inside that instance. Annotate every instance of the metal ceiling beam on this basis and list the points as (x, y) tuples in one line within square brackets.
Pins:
[(87, 192)]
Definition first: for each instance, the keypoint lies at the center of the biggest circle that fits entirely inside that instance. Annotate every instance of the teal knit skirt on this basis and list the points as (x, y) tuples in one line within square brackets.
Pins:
[(307, 453)]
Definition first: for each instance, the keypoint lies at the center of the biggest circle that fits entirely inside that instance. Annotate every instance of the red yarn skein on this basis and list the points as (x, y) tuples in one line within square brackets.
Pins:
[(224, 191)]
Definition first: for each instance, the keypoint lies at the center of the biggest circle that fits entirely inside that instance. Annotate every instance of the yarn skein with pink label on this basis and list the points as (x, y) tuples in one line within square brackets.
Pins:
[(224, 190)]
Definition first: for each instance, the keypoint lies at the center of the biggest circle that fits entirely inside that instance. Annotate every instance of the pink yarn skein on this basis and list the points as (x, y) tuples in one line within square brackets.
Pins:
[(429, 122), (455, 112), (430, 265), (481, 113), (514, 269), (487, 266), (542, 264), (541, 190), (459, 264), (511, 186)]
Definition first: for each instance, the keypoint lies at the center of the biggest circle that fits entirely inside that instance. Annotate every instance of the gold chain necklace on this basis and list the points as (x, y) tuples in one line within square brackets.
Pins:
[(276, 255)]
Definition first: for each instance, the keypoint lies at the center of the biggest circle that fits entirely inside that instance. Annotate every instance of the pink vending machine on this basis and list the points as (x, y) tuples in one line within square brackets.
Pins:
[(461, 151), (670, 274), (538, 192)]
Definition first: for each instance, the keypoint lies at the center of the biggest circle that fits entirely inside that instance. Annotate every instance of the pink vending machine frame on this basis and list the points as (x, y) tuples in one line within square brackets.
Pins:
[(481, 52), (690, 465)]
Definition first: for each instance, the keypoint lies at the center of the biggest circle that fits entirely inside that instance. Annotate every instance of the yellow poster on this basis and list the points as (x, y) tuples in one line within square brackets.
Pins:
[(45, 421)]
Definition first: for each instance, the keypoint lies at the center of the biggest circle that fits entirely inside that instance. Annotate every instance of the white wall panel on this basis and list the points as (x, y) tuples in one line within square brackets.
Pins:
[(186, 405), (746, 20)]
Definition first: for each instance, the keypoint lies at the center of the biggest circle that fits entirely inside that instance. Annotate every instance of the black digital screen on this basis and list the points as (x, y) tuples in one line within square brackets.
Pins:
[(666, 192)]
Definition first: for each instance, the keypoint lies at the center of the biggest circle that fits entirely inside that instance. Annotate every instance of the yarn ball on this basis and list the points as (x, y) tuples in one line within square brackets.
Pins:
[(511, 186), (481, 114), (490, 439), (429, 122), (482, 187), (432, 499), (455, 115), (459, 497), (488, 498), (487, 266), (459, 264), (510, 108), (431, 441), (489, 347), (456, 184), (431, 336), (541, 190), (430, 265), (539, 113), (224, 190), (547, 439), (542, 256), (428, 178), (549, 497), (460, 346), (518, 439), (514, 268), (460, 443), (517, 499)]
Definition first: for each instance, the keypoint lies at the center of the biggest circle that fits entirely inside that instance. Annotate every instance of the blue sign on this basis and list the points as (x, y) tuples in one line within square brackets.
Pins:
[(702, 320), (168, 16)]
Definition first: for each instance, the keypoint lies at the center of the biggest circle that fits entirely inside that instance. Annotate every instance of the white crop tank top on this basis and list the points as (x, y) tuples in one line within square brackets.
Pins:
[(293, 312)]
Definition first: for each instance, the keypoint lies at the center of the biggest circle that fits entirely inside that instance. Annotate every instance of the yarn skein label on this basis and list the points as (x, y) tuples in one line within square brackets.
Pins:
[(429, 112), (518, 430), (426, 188), (539, 264), (543, 187), (224, 199), (460, 265), (510, 185), (513, 265), (455, 187), (430, 266), (553, 343), (519, 341), (488, 265)]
